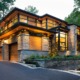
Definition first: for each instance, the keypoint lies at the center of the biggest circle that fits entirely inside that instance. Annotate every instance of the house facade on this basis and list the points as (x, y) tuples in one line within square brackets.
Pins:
[(23, 34)]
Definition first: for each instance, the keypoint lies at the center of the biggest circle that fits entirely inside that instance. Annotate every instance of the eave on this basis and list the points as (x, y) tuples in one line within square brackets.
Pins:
[(19, 26)]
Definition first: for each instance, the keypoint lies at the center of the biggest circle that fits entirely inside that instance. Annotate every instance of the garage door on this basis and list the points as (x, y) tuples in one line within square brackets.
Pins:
[(13, 52), (0, 53)]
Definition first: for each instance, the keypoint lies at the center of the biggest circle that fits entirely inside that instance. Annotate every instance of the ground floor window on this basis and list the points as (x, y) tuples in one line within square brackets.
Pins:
[(39, 43), (35, 43), (61, 41)]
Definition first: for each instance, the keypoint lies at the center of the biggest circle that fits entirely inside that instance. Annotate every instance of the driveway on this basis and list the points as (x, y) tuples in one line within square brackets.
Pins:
[(14, 71)]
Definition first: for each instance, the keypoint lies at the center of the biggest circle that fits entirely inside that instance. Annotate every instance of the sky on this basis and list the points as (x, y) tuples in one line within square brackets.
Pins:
[(57, 8)]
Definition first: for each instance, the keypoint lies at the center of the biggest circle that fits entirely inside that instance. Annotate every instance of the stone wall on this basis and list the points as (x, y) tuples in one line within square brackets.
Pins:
[(26, 53), (62, 64), (72, 39), (5, 52)]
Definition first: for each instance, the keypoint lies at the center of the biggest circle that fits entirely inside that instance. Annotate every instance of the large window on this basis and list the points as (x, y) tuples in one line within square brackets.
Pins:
[(32, 21), (10, 23), (52, 24), (28, 20), (61, 40), (44, 23), (35, 43), (39, 23), (23, 18)]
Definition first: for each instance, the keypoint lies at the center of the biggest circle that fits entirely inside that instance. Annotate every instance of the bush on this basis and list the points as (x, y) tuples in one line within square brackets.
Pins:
[(32, 58), (31, 61)]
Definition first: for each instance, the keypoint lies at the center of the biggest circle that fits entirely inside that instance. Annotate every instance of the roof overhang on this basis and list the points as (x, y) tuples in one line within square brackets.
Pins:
[(20, 26)]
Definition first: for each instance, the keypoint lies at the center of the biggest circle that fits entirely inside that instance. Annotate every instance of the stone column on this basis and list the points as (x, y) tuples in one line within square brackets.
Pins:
[(52, 45), (72, 39), (5, 51), (23, 44), (45, 43)]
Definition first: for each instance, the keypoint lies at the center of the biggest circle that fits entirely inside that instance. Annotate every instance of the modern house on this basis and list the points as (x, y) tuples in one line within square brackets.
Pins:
[(23, 34)]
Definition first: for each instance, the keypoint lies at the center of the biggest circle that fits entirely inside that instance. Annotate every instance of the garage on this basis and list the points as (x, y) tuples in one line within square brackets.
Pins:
[(0, 53), (13, 52)]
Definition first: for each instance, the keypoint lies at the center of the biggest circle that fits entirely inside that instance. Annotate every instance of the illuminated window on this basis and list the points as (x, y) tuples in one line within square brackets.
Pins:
[(44, 24), (5, 27), (78, 31), (11, 22), (61, 40), (31, 21), (39, 23), (23, 18), (52, 24), (35, 43)]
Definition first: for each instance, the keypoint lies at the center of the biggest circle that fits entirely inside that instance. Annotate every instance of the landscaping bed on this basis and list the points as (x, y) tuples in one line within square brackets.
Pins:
[(56, 62)]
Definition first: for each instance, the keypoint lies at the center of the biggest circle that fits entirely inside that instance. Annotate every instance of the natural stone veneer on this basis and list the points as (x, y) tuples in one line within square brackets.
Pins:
[(60, 64), (5, 50), (72, 39), (26, 53)]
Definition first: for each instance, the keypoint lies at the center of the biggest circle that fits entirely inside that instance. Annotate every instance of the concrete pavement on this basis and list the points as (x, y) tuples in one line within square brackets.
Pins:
[(14, 71)]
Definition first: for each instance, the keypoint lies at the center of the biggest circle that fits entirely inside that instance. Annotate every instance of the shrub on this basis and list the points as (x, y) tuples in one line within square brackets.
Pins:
[(38, 57)]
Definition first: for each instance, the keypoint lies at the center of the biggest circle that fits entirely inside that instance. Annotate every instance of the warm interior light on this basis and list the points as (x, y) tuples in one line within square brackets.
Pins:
[(5, 41)]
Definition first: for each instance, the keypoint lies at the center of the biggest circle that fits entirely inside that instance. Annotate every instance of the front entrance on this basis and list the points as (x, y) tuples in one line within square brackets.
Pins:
[(0, 53), (13, 52)]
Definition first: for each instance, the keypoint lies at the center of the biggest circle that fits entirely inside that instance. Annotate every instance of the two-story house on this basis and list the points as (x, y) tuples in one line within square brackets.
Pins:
[(23, 34)]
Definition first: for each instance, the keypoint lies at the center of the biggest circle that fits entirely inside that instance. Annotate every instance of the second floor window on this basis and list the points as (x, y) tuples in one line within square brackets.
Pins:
[(23, 19)]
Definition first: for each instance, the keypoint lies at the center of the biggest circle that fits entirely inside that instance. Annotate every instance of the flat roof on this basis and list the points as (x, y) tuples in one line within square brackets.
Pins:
[(17, 9)]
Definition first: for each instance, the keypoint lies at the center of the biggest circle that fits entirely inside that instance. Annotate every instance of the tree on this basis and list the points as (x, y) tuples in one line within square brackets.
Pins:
[(74, 17), (31, 9), (77, 3), (4, 7)]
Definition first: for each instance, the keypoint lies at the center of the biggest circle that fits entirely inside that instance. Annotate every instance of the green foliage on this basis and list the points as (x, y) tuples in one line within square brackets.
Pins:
[(69, 57), (31, 9), (43, 57), (4, 7), (30, 61), (77, 3), (74, 17)]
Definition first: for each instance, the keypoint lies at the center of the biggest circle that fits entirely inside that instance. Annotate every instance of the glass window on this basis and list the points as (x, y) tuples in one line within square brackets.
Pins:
[(32, 21), (44, 24), (5, 27), (78, 31), (12, 21), (61, 41), (52, 24), (35, 43), (23, 18), (44, 21), (39, 23), (10, 24)]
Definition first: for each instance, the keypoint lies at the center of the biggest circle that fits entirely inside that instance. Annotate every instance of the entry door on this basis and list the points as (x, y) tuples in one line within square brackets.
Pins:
[(0, 53), (13, 52)]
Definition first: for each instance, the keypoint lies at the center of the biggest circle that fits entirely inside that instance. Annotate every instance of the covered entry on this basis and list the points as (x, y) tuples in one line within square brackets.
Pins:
[(13, 52), (0, 53)]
